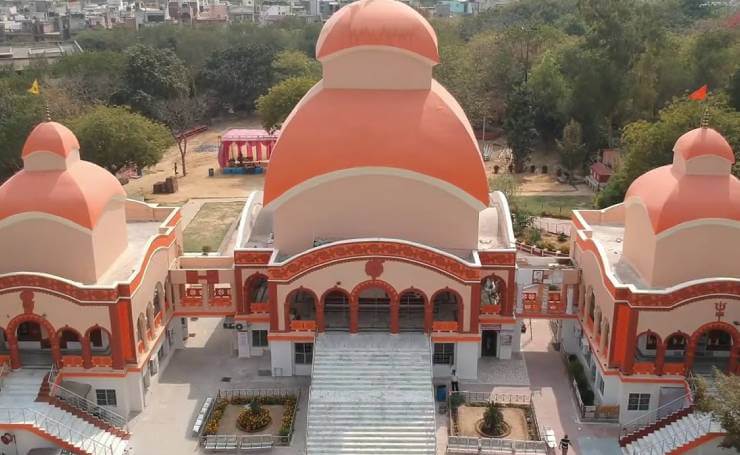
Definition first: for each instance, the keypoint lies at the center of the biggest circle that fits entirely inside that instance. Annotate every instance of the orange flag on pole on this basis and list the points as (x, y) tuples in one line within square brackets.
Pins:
[(700, 94)]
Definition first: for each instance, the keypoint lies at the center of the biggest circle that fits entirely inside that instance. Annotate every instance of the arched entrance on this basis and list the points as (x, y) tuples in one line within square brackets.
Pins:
[(336, 310), (255, 291), (712, 347), (411, 311), (302, 305), (374, 309), (32, 342)]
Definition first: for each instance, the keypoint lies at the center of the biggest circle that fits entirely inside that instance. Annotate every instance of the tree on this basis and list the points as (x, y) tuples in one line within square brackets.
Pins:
[(179, 114), (519, 125), (275, 106), (291, 63), (115, 137), (493, 420), (239, 75), (93, 77), (572, 150), (19, 113), (152, 75), (726, 409)]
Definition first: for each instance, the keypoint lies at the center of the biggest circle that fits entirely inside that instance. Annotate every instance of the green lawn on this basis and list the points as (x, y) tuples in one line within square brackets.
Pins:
[(210, 225), (554, 206)]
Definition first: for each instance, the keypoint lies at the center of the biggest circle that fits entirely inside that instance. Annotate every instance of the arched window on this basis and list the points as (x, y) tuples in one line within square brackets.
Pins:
[(647, 346), (675, 348), (411, 311), (150, 316), (718, 340), (591, 305), (446, 306), (157, 298), (69, 341), (336, 310), (302, 305), (141, 329), (3, 341), (258, 290), (99, 341), (374, 310)]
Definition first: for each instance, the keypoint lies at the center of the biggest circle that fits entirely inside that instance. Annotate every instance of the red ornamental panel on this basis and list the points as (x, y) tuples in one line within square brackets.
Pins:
[(60, 287), (252, 257), (340, 252), (497, 258)]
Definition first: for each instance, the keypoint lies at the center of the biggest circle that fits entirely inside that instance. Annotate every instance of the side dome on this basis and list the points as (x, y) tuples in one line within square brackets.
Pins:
[(378, 23), (676, 194), (75, 190)]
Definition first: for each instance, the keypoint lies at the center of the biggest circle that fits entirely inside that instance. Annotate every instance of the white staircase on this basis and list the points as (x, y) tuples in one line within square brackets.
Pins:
[(675, 435), (18, 406), (371, 394)]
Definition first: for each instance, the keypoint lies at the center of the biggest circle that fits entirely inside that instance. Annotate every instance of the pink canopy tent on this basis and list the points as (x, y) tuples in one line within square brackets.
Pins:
[(249, 145)]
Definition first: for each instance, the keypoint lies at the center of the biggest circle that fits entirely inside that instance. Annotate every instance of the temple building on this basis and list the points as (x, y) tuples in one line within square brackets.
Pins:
[(660, 280)]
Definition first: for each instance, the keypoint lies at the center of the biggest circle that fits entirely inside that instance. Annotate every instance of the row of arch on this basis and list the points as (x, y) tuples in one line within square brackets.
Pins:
[(716, 344), (30, 339), (146, 322), (373, 305)]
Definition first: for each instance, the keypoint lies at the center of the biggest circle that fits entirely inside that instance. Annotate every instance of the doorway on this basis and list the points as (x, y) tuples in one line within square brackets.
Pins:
[(489, 342), (374, 310), (336, 311), (34, 346)]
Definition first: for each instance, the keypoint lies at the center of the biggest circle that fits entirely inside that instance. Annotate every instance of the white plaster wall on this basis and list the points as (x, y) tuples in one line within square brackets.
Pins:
[(109, 236), (691, 253), (258, 351), (685, 318), (50, 245), (125, 400), (135, 391), (281, 357), (400, 275), (156, 272), (639, 240), (631, 387), (466, 360), (59, 312), (391, 206)]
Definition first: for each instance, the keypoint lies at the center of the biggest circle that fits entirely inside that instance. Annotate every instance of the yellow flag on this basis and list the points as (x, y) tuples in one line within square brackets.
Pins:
[(35, 89)]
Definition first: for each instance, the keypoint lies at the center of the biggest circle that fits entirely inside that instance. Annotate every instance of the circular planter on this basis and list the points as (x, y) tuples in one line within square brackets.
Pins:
[(252, 422), (479, 429)]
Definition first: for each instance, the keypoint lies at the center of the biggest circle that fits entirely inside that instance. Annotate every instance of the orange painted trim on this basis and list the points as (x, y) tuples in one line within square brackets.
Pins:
[(695, 443), (290, 336), (175, 218), (486, 319), (92, 374), (446, 338), (253, 317), (160, 241), (43, 435), (196, 314)]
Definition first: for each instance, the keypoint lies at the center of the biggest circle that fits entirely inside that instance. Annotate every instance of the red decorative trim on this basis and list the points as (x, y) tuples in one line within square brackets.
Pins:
[(12, 339), (354, 303), (252, 257), (338, 252), (374, 268), (497, 258)]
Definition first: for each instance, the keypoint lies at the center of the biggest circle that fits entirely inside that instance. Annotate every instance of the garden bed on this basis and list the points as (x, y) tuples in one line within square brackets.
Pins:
[(515, 416), (226, 412)]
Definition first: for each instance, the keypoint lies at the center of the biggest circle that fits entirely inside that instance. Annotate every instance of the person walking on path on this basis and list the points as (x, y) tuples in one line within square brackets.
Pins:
[(564, 444), (455, 384)]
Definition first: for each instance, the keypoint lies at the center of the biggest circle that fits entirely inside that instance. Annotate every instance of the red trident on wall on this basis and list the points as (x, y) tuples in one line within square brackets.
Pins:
[(719, 309)]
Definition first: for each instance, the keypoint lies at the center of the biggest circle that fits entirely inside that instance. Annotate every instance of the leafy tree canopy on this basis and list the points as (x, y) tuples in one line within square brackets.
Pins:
[(275, 106), (115, 137), (154, 73)]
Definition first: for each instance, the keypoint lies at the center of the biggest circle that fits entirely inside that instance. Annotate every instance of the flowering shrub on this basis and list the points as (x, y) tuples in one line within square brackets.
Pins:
[(251, 420), (216, 416)]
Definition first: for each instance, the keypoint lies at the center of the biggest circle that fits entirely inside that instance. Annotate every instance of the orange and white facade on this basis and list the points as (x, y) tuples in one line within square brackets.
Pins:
[(84, 272), (660, 279)]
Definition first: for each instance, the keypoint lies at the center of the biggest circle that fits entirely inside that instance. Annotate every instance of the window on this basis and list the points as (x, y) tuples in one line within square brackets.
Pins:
[(676, 342), (304, 353), (106, 397), (259, 338), (652, 342), (444, 353), (638, 402)]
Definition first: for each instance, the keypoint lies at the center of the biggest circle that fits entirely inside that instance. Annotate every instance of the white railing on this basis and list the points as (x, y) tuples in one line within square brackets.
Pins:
[(650, 417), (251, 393), (54, 428), (88, 407), (674, 440), (3, 372), (431, 372), (466, 444), (500, 398)]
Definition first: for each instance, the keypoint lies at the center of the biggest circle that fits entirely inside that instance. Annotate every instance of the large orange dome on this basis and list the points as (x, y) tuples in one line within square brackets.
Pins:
[(416, 130), (674, 197), (378, 23)]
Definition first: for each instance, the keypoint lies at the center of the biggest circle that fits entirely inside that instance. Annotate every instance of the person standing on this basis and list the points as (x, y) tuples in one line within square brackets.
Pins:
[(453, 380), (564, 444)]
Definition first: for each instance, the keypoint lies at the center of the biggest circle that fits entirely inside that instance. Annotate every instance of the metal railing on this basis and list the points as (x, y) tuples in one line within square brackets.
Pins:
[(88, 407), (673, 440), (655, 415), (3, 372), (465, 444), (251, 393), (430, 346), (500, 398), (233, 443), (55, 429)]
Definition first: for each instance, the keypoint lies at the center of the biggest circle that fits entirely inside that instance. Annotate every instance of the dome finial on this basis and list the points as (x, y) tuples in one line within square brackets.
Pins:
[(705, 118)]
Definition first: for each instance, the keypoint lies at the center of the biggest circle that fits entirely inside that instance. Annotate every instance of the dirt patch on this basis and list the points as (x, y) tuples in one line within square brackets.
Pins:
[(468, 416), (210, 225), (201, 156), (231, 414)]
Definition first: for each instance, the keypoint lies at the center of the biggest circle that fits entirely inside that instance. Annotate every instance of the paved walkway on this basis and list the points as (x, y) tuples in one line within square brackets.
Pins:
[(194, 373)]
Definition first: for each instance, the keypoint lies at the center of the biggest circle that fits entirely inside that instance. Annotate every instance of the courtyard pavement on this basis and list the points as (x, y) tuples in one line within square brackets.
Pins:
[(193, 374)]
